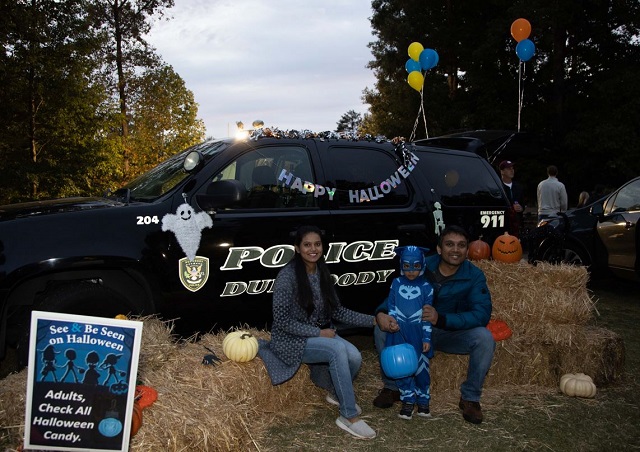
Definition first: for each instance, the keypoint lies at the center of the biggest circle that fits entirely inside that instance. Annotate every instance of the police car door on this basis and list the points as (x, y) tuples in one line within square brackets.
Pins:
[(250, 242), (374, 210)]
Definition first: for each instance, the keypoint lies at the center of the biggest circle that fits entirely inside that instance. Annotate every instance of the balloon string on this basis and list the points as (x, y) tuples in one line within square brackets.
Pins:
[(521, 70), (424, 118), (415, 125)]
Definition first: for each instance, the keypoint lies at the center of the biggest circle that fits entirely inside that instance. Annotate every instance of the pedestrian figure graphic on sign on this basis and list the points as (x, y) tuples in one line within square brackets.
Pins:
[(91, 376), (70, 354), (110, 362), (49, 360)]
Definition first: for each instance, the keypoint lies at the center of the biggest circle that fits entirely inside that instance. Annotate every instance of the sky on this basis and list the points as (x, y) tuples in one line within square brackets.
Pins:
[(293, 64)]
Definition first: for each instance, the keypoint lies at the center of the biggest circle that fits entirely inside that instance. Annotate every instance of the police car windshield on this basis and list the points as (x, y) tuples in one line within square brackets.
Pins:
[(168, 174)]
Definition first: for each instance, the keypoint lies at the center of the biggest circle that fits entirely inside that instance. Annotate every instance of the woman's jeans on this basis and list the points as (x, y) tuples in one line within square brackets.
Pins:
[(476, 342), (341, 361)]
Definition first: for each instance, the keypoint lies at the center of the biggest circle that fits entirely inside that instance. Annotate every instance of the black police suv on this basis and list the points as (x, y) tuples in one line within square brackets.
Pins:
[(201, 237)]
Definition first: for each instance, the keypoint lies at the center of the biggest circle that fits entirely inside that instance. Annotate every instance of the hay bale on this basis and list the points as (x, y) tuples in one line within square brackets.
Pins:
[(229, 406), (598, 352), (548, 308), (223, 407)]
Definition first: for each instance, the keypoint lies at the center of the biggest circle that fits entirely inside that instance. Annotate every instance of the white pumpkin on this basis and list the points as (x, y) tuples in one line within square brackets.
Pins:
[(577, 385), (240, 346)]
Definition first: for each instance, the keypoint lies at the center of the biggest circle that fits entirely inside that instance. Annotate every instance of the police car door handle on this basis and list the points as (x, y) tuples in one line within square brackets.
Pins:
[(418, 227)]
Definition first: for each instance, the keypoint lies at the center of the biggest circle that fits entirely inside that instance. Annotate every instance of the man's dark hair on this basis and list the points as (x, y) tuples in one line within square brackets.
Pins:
[(552, 170), (453, 229)]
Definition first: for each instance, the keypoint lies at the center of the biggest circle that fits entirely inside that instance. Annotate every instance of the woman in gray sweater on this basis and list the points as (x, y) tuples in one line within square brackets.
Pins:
[(304, 304)]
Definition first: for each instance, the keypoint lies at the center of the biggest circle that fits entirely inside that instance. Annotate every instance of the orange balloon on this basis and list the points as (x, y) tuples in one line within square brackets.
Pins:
[(520, 29)]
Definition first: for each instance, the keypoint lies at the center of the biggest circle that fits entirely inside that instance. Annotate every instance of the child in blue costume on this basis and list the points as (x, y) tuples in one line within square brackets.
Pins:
[(409, 293)]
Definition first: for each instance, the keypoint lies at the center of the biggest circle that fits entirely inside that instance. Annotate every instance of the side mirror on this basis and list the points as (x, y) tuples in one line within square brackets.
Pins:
[(597, 210), (223, 193)]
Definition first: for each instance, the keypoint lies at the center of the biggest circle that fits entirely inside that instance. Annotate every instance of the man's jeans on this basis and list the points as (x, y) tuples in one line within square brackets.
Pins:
[(477, 342), (340, 362)]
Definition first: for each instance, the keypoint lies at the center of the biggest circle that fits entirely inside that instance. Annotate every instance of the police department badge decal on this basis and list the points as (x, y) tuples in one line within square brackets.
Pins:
[(193, 272)]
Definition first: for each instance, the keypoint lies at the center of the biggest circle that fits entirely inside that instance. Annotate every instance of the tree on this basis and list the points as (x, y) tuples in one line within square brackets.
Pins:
[(349, 122), (163, 113), (125, 22), (48, 98), (65, 131), (587, 54)]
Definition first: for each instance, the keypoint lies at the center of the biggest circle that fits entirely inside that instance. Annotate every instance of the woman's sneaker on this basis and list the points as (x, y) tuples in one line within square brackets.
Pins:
[(407, 411), (423, 410), (358, 429)]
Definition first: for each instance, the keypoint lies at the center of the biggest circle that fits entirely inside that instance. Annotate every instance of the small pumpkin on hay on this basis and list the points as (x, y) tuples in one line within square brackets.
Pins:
[(479, 250), (499, 330), (240, 346), (507, 248), (144, 397), (577, 385)]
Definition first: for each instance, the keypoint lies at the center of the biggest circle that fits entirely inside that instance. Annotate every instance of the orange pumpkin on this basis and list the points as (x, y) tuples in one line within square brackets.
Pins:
[(479, 250), (499, 330), (507, 248), (136, 419), (145, 396)]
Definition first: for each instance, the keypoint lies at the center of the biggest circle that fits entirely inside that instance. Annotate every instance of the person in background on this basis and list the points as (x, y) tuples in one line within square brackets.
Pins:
[(459, 316), (304, 304), (514, 193), (583, 198), (409, 293), (552, 195)]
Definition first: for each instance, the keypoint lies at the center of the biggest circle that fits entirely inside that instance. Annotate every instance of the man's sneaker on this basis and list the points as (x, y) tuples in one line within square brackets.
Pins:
[(333, 400), (407, 411), (423, 410), (471, 411), (386, 397)]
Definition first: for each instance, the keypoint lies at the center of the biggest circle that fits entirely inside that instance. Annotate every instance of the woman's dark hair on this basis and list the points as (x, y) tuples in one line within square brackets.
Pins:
[(305, 295)]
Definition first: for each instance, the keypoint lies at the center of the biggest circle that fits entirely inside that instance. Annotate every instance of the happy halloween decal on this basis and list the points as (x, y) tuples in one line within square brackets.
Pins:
[(187, 225)]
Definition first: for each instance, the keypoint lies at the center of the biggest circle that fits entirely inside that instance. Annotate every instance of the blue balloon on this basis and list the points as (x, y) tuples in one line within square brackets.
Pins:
[(412, 65), (525, 49), (428, 59)]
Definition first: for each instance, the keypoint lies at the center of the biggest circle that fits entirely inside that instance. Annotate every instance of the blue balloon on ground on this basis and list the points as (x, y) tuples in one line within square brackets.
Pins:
[(412, 65), (525, 49), (428, 59)]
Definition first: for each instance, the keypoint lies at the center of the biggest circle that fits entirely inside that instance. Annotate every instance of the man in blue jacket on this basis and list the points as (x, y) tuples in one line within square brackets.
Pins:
[(460, 313)]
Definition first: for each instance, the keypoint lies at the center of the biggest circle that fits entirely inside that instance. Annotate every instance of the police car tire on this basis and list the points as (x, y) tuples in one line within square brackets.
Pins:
[(83, 298)]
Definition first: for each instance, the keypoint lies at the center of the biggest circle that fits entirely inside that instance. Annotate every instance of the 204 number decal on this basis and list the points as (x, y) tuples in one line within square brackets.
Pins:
[(147, 219)]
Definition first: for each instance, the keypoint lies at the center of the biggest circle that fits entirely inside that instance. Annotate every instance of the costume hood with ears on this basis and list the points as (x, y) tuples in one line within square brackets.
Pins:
[(412, 255)]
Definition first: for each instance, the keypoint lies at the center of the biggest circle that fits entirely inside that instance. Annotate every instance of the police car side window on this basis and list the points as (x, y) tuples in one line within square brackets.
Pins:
[(460, 180), (358, 173), (259, 170)]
